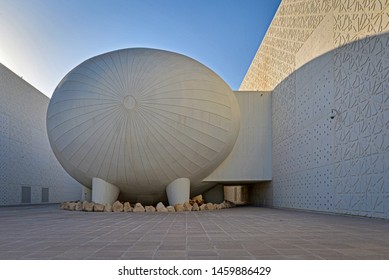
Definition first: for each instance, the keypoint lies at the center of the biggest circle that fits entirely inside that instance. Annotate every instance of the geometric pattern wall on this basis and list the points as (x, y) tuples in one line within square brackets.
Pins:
[(303, 138), (294, 23), (26, 159), (289, 30), (318, 56), (362, 132)]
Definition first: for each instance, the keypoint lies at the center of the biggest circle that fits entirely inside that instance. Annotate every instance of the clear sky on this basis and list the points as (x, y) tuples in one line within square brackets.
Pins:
[(42, 40)]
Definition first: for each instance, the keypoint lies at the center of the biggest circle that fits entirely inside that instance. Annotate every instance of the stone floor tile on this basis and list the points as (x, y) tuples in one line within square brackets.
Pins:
[(202, 258), (42, 255), (200, 246), (237, 258), (235, 253), (46, 232), (138, 254), (171, 247), (329, 254), (228, 245), (177, 254), (202, 253)]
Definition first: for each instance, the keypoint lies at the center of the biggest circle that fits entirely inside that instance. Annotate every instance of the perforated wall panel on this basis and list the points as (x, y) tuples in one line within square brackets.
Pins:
[(318, 56)]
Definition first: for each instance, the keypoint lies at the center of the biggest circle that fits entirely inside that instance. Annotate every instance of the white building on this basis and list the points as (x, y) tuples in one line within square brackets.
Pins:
[(314, 118), (326, 64), (29, 171)]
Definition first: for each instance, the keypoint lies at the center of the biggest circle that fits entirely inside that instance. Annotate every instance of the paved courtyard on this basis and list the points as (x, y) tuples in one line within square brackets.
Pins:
[(46, 232)]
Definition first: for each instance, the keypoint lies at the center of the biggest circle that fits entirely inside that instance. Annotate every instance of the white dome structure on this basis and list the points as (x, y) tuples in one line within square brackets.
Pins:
[(140, 119)]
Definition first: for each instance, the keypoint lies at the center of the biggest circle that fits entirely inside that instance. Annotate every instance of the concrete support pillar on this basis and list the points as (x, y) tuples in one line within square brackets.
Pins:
[(178, 191), (104, 192)]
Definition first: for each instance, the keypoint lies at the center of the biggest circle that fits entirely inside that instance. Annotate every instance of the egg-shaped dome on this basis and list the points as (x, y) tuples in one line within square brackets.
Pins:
[(141, 118)]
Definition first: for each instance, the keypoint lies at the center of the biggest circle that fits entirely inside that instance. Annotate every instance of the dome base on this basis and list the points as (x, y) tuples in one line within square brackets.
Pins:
[(104, 192), (178, 191)]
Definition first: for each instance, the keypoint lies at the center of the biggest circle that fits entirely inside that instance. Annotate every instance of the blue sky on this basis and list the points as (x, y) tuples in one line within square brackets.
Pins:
[(42, 40)]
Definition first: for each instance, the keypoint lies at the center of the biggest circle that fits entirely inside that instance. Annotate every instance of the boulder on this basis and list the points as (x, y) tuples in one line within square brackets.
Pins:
[(171, 209), (65, 205), (87, 206), (127, 207), (228, 204), (203, 207), (73, 206), (210, 206), (198, 197), (98, 207), (78, 206), (107, 207), (150, 208), (138, 208), (195, 207), (217, 206), (187, 206), (179, 207), (117, 206), (161, 208)]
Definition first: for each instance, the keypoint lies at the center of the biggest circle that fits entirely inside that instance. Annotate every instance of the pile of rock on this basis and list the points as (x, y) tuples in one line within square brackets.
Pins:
[(192, 205), (197, 199)]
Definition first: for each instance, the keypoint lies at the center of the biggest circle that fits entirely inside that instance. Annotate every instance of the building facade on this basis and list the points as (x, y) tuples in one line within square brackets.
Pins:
[(326, 64), (314, 107), (29, 171)]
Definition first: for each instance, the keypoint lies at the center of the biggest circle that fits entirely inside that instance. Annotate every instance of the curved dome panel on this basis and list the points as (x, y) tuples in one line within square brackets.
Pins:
[(141, 118)]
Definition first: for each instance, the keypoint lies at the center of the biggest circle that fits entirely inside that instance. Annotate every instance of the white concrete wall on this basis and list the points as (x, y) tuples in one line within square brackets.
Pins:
[(303, 138), (316, 56), (26, 158), (251, 157), (342, 164)]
